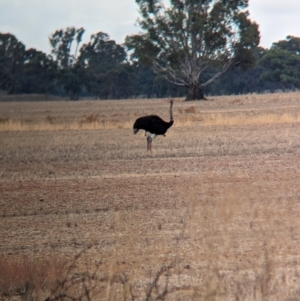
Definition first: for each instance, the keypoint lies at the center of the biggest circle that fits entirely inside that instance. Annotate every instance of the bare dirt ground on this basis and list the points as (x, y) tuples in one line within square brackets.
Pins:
[(218, 198)]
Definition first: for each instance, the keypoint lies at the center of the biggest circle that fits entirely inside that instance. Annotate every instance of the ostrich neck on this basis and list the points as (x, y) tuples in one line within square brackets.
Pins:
[(171, 113)]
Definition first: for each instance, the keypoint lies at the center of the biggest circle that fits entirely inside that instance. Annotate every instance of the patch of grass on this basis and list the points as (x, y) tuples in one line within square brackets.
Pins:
[(13, 126), (221, 110)]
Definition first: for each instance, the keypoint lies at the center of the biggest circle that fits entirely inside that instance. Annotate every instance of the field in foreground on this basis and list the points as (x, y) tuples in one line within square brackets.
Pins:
[(215, 207)]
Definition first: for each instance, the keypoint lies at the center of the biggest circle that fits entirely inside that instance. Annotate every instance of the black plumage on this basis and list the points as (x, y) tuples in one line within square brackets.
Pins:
[(153, 125)]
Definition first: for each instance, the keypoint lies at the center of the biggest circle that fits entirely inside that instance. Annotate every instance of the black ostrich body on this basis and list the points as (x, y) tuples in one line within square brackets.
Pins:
[(153, 125)]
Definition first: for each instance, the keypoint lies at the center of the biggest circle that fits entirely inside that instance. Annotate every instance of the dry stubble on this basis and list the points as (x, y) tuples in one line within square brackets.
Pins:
[(217, 199)]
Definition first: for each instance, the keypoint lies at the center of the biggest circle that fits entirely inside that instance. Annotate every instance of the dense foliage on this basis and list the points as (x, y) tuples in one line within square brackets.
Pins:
[(103, 69)]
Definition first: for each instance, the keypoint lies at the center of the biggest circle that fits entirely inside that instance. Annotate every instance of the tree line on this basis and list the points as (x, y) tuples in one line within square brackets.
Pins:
[(186, 49), (99, 68)]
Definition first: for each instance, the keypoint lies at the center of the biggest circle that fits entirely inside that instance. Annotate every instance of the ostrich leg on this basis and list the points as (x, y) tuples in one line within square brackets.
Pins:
[(149, 143)]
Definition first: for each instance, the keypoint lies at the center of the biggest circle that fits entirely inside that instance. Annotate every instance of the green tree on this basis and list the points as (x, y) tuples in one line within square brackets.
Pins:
[(73, 80), (105, 64), (71, 71), (39, 72), (282, 64), (187, 37), (61, 42), (239, 79), (11, 63), (291, 44)]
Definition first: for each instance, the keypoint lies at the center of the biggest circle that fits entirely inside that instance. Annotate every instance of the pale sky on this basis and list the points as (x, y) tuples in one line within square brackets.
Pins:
[(33, 21)]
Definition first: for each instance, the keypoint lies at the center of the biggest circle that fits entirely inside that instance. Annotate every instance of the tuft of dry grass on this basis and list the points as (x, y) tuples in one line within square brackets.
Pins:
[(190, 110), (50, 119), (23, 276), (92, 118), (4, 120)]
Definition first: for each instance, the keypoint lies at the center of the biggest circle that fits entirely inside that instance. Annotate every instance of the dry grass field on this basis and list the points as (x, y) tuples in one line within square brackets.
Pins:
[(212, 214)]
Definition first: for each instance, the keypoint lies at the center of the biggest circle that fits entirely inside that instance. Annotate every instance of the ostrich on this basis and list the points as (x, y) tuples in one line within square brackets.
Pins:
[(153, 125)]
